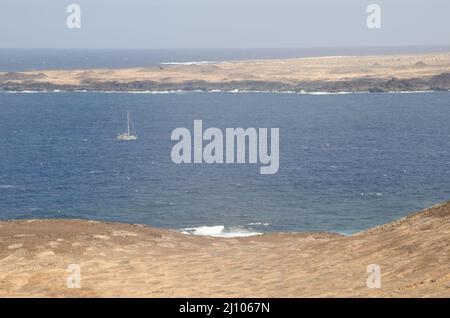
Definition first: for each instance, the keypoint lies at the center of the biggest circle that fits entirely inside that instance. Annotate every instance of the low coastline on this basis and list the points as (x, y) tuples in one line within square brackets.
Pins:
[(386, 73), (135, 260)]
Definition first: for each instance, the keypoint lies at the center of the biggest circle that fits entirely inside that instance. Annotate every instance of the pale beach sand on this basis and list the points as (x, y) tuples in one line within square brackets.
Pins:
[(134, 260)]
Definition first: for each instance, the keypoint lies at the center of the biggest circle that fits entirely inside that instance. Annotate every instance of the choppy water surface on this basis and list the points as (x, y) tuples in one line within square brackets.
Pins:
[(347, 162)]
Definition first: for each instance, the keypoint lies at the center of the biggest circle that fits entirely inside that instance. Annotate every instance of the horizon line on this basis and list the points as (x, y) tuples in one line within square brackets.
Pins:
[(231, 48)]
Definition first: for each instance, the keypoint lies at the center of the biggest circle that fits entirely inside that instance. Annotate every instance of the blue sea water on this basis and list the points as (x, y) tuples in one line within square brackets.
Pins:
[(347, 162), (15, 60)]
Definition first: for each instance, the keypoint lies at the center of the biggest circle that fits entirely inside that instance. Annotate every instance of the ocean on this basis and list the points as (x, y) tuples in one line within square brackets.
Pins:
[(16, 60), (348, 162)]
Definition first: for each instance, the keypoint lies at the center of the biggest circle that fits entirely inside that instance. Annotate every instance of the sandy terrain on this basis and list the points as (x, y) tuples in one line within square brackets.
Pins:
[(359, 72), (134, 260)]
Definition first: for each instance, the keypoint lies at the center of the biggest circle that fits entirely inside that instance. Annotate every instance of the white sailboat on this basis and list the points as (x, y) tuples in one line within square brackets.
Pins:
[(131, 131)]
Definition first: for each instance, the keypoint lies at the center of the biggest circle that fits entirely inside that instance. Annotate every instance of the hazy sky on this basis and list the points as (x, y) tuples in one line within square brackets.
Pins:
[(221, 23)]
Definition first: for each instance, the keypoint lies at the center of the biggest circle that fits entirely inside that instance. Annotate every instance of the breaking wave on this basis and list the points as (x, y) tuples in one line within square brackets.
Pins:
[(220, 231)]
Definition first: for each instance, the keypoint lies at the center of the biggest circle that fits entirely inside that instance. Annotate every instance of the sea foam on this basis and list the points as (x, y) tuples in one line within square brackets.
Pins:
[(220, 231), (189, 63)]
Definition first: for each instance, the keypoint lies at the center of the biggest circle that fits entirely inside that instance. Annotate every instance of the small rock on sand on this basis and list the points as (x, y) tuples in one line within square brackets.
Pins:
[(15, 246)]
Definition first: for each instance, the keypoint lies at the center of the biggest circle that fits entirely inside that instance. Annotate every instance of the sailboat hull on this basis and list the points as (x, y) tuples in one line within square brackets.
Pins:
[(126, 137)]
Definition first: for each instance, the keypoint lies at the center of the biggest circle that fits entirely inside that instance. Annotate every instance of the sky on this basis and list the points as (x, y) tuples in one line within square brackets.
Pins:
[(222, 23)]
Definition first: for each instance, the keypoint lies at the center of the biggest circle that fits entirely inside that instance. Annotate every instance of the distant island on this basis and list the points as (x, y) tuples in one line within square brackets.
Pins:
[(384, 73)]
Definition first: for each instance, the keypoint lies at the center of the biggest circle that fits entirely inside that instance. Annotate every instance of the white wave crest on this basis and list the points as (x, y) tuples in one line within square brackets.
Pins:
[(220, 231), (10, 186), (189, 63)]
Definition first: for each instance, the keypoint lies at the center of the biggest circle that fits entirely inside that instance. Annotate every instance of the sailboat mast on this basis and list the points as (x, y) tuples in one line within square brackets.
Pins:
[(128, 122)]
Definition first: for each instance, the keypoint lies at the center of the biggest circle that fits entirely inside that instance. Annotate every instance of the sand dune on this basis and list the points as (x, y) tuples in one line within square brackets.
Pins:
[(134, 260)]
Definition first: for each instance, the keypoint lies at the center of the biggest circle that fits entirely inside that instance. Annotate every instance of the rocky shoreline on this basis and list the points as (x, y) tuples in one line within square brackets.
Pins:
[(439, 82)]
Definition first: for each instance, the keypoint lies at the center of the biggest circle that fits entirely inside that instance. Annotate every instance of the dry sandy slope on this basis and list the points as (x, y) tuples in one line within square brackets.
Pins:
[(133, 260)]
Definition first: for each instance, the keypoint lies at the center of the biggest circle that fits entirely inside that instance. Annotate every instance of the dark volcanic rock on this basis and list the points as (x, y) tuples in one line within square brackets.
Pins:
[(11, 76), (365, 84), (440, 82)]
